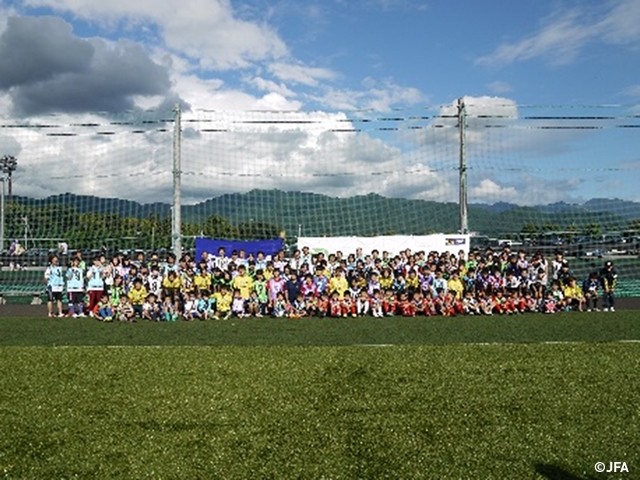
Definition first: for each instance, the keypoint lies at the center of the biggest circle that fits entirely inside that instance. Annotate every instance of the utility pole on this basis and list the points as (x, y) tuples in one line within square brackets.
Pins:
[(176, 219), (462, 120)]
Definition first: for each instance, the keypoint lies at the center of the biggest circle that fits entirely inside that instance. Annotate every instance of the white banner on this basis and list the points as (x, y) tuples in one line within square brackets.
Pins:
[(440, 242)]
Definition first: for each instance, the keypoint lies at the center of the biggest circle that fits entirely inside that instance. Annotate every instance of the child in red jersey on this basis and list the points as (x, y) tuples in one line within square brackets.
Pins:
[(406, 306), (389, 304), (498, 302), (429, 309), (509, 304), (348, 306), (322, 308), (335, 305), (419, 302), (455, 303)]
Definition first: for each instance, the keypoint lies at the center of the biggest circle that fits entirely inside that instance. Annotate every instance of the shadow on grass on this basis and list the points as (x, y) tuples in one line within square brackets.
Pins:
[(553, 472)]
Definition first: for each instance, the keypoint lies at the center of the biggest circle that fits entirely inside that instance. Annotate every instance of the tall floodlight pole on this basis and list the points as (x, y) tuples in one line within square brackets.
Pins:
[(3, 178), (176, 220), (8, 164), (462, 121)]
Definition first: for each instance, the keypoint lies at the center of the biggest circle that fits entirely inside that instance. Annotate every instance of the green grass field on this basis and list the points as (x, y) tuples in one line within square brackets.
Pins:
[(450, 398)]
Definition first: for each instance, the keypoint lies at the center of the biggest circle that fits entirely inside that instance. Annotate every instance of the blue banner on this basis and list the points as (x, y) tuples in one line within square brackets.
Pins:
[(212, 245)]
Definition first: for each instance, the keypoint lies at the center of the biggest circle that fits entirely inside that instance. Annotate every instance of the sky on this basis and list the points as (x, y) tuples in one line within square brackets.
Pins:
[(303, 96)]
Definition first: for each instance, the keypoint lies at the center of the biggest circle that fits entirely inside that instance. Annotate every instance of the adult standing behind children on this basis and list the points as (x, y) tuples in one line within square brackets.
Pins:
[(609, 279), (55, 284), (75, 288), (95, 284)]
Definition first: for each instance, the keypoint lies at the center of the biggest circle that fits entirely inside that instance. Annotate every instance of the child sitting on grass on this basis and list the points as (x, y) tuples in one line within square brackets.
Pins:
[(206, 305), (223, 303), (298, 307), (190, 307), (103, 310), (169, 311), (151, 309), (124, 310), (238, 306), (280, 306)]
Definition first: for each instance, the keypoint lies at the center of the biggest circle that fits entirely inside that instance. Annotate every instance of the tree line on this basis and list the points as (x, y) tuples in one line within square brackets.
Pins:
[(59, 222)]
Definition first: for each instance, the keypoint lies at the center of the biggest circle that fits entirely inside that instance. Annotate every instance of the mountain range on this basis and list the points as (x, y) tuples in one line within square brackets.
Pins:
[(314, 214)]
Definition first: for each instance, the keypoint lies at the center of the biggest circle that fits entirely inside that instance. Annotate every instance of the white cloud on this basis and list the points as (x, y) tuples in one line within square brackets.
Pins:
[(490, 191), (375, 95), (565, 34), (213, 94), (301, 74), (632, 91), (526, 189), (559, 42), (125, 164), (207, 31), (270, 86), (500, 87), (225, 150), (622, 24), (289, 151)]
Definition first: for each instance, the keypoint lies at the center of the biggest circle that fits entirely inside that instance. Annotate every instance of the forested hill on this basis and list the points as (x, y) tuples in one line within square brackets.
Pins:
[(315, 214)]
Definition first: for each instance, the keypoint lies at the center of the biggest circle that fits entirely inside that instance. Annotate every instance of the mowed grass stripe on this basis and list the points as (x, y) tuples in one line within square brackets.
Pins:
[(528, 328), (456, 411)]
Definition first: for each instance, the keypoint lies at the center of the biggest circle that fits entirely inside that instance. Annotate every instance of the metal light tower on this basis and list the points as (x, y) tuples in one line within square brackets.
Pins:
[(8, 164)]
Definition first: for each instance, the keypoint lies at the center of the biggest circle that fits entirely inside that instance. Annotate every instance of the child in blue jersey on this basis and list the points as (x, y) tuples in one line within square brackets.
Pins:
[(55, 284), (169, 310), (75, 288), (206, 305)]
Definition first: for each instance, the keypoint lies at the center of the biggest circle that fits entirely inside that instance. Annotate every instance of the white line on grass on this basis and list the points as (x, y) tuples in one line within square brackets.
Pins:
[(490, 344), (368, 345)]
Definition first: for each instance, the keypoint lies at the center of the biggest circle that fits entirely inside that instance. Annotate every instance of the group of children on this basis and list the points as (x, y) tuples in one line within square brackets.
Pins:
[(304, 285)]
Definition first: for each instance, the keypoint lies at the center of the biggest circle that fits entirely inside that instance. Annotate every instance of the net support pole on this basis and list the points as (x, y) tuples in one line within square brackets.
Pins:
[(3, 179), (462, 120), (176, 219)]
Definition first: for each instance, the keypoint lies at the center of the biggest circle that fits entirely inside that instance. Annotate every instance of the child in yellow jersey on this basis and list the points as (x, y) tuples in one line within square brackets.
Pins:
[(137, 296), (171, 286), (413, 282), (243, 282), (202, 281), (386, 281), (268, 271), (338, 283), (573, 295), (455, 285), (223, 303)]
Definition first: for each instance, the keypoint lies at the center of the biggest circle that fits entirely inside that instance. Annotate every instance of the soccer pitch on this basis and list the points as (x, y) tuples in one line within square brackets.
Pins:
[(451, 398)]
